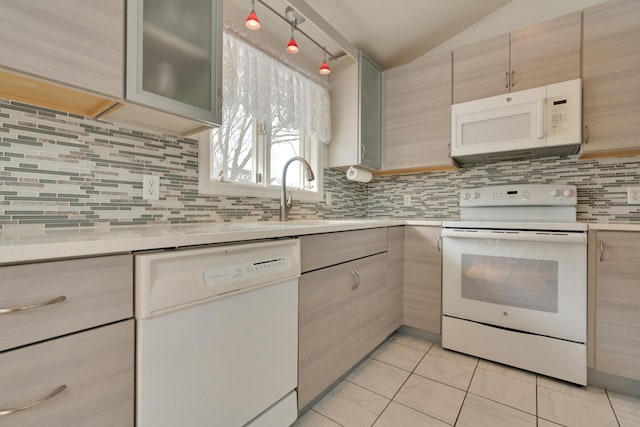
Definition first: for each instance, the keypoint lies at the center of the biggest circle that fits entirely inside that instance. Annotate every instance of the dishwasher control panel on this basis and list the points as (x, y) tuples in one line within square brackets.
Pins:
[(227, 274), (169, 280)]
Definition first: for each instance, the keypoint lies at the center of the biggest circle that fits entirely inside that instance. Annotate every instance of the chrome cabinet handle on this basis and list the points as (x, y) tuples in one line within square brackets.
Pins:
[(506, 80), (34, 403), (33, 306), (601, 250), (586, 134), (439, 244), (355, 276), (513, 78), (363, 150)]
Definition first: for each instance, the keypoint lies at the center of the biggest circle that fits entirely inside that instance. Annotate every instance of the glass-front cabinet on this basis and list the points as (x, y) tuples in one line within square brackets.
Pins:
[(370, 81), (174, 57)]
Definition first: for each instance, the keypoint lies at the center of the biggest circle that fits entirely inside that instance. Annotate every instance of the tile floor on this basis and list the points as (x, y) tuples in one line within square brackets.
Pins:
[(411, 382)]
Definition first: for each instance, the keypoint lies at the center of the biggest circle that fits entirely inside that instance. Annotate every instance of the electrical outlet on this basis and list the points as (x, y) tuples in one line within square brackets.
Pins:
[(150, 187), (327, 198), (633, 195), (407, 199)]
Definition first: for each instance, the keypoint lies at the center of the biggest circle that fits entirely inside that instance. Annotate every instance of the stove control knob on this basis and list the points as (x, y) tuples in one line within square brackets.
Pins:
[(476, 195), (467, 196), (567, 192), (554, 193)]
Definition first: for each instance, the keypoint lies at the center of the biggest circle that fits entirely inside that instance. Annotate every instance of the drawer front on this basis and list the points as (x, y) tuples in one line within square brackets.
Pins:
[(96, 290), (96, 367), (323, 250)]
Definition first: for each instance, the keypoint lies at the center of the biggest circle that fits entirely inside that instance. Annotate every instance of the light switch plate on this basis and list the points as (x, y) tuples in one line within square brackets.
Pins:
[(633, 195)]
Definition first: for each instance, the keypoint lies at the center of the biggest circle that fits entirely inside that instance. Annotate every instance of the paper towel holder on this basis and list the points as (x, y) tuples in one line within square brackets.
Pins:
[(358, 174)]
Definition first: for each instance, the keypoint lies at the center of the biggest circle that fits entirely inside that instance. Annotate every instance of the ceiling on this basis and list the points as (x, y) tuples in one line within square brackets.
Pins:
[(389, 32)]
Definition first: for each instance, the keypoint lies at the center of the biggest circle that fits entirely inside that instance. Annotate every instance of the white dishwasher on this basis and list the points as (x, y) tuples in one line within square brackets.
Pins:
[(217, 335)]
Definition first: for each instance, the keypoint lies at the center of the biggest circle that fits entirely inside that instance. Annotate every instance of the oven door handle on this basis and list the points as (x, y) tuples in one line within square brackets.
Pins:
[(529, 236)]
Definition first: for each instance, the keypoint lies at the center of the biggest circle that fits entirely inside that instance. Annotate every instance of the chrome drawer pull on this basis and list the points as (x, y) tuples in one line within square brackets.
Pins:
[(356, 279), (601, 250), (34, 403), (32, 307)]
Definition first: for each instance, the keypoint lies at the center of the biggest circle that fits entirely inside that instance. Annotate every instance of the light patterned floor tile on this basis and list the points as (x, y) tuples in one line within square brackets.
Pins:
[(447, 367), (479, 412), (432, 398), (571, 410), (627, 419), (313, 419), (409, 341), (509, 386), (351, 405), (595, 395), (545, 423), (379, 377), (620, 402), (397, 415), (398, 355)]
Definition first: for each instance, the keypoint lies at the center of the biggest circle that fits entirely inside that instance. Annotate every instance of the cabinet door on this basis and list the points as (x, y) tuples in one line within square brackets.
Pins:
[(96, 367), (418, 113), (422, 296), (341, 318), (546, 53), (618, 304), (395, 278), (79, 43), (611, 87), (370, 101), (481, 69), (174, 57)]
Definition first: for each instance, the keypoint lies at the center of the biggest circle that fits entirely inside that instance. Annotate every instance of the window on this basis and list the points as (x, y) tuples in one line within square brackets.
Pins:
[(267, 118)]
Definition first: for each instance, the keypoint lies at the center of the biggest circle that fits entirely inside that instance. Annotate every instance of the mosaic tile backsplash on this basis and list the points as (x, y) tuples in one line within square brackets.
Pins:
[(63, 170)]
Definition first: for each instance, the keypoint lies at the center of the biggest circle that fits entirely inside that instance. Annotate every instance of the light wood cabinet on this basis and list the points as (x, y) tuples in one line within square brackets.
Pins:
[(544, 53), (418, 114), (611, 87), (356, 114), (96, 367), (75, 43), (395, 278), (67, 342), (422, 300), (345, 307), (617, 308)]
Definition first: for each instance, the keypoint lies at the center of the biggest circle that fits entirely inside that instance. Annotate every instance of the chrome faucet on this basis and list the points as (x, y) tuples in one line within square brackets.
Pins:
[(286, 202)]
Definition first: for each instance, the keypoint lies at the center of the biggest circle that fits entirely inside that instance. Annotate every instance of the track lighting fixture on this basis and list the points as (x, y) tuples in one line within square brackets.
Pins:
[(252, 22), (293, 18)]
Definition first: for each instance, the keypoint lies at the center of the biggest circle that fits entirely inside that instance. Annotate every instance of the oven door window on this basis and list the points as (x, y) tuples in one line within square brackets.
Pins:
[(509, 281)]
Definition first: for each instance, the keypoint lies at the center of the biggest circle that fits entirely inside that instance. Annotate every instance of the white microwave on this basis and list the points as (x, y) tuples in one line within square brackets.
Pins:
[(545, 120)]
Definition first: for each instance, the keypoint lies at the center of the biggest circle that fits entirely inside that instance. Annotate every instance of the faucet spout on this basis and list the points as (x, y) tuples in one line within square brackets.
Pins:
[(285, 204)]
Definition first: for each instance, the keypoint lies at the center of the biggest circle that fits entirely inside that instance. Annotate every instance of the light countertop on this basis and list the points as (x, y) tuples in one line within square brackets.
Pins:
[(24, 245)]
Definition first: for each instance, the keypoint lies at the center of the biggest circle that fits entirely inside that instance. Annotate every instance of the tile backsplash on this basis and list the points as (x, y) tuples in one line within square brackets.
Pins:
[(64, 170)]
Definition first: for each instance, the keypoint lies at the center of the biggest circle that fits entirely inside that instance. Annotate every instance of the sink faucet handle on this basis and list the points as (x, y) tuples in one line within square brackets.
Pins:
[(289, 199)]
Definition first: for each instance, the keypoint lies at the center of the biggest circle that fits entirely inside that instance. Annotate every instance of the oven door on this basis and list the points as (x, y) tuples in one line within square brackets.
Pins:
[(532, 281)]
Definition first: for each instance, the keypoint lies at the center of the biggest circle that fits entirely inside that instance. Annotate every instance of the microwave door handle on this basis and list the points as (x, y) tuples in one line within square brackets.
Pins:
[(540, 113)]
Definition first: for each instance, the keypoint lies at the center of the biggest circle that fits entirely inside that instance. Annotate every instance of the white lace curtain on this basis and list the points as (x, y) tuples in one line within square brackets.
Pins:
[(269, 90)]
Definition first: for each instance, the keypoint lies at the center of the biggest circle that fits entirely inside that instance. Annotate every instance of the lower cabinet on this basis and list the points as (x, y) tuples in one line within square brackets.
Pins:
[(343, 315), (617, 308), (92, 370), (422, 301), (395, 278)]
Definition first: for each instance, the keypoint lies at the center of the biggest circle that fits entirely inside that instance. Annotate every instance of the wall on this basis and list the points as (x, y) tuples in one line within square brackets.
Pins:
[(601, 187), (63, 170), (514, 15)]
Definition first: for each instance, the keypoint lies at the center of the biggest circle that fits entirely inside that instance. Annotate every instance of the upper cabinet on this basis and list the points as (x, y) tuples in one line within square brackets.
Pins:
[(538, 55), (53, 44), (611, 86), (418, 114), (356, 111), (174, 66)]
